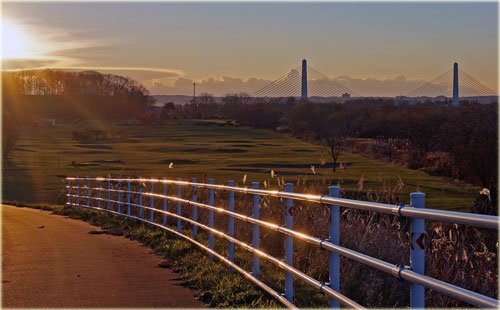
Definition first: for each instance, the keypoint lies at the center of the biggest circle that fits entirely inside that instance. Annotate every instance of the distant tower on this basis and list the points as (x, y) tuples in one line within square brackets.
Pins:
[(194, 93), (303, 94), (456, 98)]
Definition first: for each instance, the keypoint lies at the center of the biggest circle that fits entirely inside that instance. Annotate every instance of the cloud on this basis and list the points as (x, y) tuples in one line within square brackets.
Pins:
[(395, 86), (137, 73), (19, 64), (31, 41), (216, 86)]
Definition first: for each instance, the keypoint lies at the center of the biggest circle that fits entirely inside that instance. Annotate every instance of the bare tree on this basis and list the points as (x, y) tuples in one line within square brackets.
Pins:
[(14, 112), (334, 144), (334, 129)]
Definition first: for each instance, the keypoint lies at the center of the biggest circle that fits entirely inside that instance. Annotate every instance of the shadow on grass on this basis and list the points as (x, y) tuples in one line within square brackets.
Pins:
[(20, 184)]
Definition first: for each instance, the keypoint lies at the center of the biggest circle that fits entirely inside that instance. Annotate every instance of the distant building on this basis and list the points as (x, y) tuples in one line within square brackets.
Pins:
[(282, 125), (403, 100), (154, 110), (283, 128), (346, 95)]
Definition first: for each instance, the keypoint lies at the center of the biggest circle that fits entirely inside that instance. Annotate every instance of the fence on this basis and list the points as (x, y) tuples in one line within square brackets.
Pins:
[(416, 211)]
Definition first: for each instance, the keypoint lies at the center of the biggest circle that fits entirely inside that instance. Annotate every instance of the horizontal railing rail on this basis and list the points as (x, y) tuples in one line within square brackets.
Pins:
[(399, 271), (414, 274), (471, 219), (245, 273), (315, 283)]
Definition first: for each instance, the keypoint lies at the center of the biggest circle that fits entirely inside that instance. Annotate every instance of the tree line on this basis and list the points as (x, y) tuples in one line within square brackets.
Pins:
[(465, 135), (468, 133), (59, 82), (59, 94), (86, 94)]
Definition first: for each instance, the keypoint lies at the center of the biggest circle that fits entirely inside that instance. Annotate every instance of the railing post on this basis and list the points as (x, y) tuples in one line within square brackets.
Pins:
[(69, 192), (255, 230), (109, 193), (152, 203), (118, 198), (211, 217), (99, 194), (164, 203), (289, 243), (128, 196), (77, 182), (179, 206), (417, 251), (230, 223), (87, 181), (334, 258), (140, 198), (195, 210)]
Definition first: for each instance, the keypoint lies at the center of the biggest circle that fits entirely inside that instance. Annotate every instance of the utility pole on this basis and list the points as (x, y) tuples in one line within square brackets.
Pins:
[(194, 94), (456, 98)]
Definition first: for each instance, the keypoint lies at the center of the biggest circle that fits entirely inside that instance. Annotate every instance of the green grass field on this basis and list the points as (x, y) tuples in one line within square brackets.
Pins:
[(202, 149)]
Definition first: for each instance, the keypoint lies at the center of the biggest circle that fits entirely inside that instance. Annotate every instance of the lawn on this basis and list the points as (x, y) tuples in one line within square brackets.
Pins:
[(203, 149)]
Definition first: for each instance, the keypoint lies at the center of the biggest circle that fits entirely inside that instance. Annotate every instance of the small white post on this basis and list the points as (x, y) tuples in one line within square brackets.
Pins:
[(179, 206), (119, 203), (230, 223), (109, 193), (195, 210), (255, 230), (289, 243), (99, 194), (417, 251), (164, 202), (88, 191), (334, 258), (128, 196), (152, 202), (211, 217), (77, 181), (69, 192), (140, 198)]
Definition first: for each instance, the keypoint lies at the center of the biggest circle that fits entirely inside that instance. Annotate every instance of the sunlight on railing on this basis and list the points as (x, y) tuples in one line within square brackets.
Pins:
[(416, 211)]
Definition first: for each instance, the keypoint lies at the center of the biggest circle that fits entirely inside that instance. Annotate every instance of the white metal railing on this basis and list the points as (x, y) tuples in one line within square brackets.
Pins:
[(414, 273)]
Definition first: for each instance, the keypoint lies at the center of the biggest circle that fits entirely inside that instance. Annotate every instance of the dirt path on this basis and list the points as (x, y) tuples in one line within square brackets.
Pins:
[(53, 261)]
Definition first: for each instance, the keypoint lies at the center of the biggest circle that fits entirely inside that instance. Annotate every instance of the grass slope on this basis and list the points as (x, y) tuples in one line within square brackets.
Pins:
[(203, 149)]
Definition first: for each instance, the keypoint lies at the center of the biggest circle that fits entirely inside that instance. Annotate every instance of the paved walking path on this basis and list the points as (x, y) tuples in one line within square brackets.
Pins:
[(53, 261)]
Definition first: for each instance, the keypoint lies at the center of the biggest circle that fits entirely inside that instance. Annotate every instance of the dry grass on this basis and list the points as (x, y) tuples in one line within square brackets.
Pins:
[(460, 255)]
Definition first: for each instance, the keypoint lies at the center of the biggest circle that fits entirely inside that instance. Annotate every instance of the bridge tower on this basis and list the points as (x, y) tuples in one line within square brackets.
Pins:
[(456, 98), (303, 93)]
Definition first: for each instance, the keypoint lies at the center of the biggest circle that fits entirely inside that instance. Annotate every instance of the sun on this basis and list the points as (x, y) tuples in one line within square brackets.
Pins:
[(16, 42)]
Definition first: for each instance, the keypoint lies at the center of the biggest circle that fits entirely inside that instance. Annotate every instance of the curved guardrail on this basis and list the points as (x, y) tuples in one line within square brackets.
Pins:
[(416, 211)]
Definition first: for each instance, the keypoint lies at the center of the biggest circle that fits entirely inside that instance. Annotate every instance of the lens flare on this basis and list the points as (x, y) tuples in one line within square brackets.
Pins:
[(16, 42)]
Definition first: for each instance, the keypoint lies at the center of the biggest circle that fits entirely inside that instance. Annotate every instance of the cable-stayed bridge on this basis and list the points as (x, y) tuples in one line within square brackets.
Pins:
[(307, 83), (455, 84)]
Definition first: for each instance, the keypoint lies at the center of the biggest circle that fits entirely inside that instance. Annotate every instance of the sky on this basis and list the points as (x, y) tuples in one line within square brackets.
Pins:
[(375, 49)]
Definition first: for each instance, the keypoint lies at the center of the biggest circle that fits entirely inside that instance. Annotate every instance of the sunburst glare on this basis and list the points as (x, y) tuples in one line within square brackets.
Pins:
[(17, 43)]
